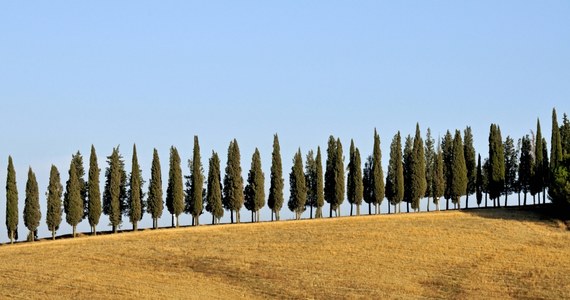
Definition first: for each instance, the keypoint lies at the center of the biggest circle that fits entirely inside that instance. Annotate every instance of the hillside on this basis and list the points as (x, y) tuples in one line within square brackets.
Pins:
[(502, 253)]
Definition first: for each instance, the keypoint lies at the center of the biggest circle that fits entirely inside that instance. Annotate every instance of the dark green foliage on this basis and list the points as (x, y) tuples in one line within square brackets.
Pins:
[(93, 192), (486, 175), (555, 143), (418, 170), (275, 200), (32, 214), (458, 170), (73, 204), (77, 161), (429, 160), (354, 185), (511, 167), (11, 202), (545, 170), (438, 179), (479, 182), (377, 176), (255, 189), (368, 183), (470, 164), (447, 148), (496, 163), (135, 204), (155, 204), (214, 194), (319, 187), (298, 187), (408, 165), (334, 176), (311, 181), (175, 189), (395, 176), (559, 190), (195, 195), (54, 193), (115, 193), (538, 178), (565, 135), (233, 182)]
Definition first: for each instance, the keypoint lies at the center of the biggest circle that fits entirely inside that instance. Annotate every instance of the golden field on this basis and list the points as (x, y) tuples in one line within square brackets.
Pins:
[(494, 253)]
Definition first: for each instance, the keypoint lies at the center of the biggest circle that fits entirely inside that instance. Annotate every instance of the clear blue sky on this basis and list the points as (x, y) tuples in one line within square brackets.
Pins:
[(156, 73)]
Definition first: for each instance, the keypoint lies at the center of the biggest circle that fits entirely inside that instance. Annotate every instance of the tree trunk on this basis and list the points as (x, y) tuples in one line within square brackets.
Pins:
[(74, 228), (446, 203), (428, 204), (543, 195), (437, 205), (485, 199), (330, 216), (257, 217), (135, 226), (524, 203), (519, 198), (466, 201), (238, 216), (534, 199), (369, 208), (408, 206), (506, 196), (377, 208), (311, 212), (53, 234), (177, 223), (389, 207), (399, 207), (172, 219), (358, 209), (277, 214), (338, 211), (351, 209), (232, 216)]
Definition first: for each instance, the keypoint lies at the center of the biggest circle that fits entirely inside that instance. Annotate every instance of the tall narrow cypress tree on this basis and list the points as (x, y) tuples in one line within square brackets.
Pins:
[(378, 188), (155, 204), (565, 135), (311, 181), (538, 173), (479, 182), (136, 207), (112, 193), (320, 200), (54, 193), (275, 200), (526, 165), (233, 182), (395, 177), (496, 164), (354, 185), (339, 176), (77, 161), (438, 179), (447, 148), (330, 178), (429, 160), (418, 168), (368, 183), (545, 170), (11, 201), (470, 164), (32, 214), (298, 187), (511, 167), (255, 188), (93, 192), (197, 184), (555, 143), (73, 205), (214, 192), (408, 153), (459, 170), (175, 189)]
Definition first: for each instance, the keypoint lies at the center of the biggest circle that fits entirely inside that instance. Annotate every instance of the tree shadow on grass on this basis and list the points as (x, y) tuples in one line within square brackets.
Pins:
[(543, 213)]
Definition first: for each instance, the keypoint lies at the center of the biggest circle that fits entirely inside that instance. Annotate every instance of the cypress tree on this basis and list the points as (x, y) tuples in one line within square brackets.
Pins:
[(298, 187), (196, 184), (377, 175), (112, 194), (479, 182), (311, 181), (395, 176), (555, 143), (330, 178), (214, 193), (470, 164), (73, 205), (255, 188), (11, 202), (447, 148), (77, 161), (175, 189), (354, 185), (538, 173), (438, 180), (408, 165), (93, 192), (368, 183), (233, 182), (565, 135), (526, 166), (32, 214), (545, 170), (136, 195), (418, 170), (459, 170), (339, 176), (429, 160), (511, 167), (320, 199), (155, 204), (275, 200), (486, 177), (54, 193), (496, 164)]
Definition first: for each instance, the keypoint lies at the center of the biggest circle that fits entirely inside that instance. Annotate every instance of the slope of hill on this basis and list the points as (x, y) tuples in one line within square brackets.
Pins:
[(499, 253)]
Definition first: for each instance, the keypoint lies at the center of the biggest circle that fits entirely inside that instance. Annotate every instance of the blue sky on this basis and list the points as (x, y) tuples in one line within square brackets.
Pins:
[(158, 73)]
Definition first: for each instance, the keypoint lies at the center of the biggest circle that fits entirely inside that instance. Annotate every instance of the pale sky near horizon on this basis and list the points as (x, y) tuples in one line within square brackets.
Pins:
[(157, 73)]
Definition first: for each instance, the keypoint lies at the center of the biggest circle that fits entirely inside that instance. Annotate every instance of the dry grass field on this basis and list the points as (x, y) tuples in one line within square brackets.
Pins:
[(502, 253)]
